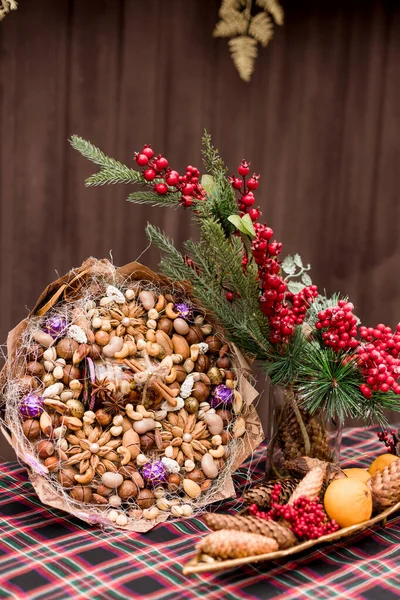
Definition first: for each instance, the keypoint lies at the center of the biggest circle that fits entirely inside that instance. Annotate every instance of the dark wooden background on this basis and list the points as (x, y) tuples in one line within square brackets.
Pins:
[(320, 122)]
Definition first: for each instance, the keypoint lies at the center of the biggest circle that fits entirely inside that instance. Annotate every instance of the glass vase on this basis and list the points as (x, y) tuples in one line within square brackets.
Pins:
[(291, 432)]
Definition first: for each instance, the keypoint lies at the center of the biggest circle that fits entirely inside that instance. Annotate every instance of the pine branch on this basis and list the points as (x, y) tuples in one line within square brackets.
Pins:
[(111, 170), (172, 257), (284, 361), (143, 197)]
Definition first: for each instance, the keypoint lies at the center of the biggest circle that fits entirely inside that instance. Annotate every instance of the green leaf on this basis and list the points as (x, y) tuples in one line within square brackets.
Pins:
[(306, 279), (295, 287), (244, 225), (288, 265), (297, 261), (207, 183)]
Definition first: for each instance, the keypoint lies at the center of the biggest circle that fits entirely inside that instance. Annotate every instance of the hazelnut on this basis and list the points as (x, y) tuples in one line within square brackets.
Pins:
[(145, 498), (200, 391), (67, 477), (66, 348), (230, 375), (195, 335), (51, 463), (31, 429), (202, 364), (103, 490), (214, 344), (102, 338), (103, 418), (225, 437), (225, 415), (147, 442), (34, 352), (165, 325), (196, 475), (45, 449), (223, 362), (35, 368), (174, 482), (127, 489), (70, 373), (81, 493)]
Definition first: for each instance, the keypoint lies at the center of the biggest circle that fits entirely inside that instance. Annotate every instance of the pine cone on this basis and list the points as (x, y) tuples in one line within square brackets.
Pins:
[(385, 486), (282, 535), (302, 465), (290, 439), (318, 440), (261, 494), (310, 486), (236, 544)]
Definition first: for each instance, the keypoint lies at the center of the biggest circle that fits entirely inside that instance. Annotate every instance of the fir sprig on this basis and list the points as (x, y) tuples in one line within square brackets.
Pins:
[(146, 197), (212, 161), (111, 170)]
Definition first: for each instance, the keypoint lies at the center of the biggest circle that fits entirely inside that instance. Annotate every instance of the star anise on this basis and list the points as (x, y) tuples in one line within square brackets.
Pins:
[(101, 390), (115, 404)]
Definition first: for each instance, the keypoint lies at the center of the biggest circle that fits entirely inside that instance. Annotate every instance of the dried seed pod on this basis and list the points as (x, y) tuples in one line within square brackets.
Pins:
[(145, 498), (66, 477), (200, 391), (66, 348), (214, 344), (31, 429), (195, 335), (165, 325), (81, 493), (128, 489), (202, 364)]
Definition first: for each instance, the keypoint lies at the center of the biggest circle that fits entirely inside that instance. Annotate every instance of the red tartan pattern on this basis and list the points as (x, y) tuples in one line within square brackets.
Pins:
[(45, 554)]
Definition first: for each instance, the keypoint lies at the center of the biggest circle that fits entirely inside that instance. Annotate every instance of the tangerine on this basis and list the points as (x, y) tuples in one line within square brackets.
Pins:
[(381, 463), (348, 502), (358, 474)]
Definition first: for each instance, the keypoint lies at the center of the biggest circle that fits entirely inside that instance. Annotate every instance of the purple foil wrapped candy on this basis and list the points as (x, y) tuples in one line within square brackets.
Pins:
[(31, 406), (185, 311), (55, 326), (155, 473), (221, 395)]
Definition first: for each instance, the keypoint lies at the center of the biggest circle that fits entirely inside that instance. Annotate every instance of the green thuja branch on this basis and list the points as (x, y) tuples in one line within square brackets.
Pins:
[(212, 160)]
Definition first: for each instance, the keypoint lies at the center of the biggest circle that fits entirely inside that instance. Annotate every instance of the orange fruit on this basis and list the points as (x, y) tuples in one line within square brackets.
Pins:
[(381, 462), (358, 474), (348, 501)]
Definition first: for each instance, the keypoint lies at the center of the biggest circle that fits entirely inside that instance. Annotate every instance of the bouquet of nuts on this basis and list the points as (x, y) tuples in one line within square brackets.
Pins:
[(124, 399)]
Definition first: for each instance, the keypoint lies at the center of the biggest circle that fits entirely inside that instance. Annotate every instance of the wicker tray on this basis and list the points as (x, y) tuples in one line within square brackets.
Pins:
[(196, 565)]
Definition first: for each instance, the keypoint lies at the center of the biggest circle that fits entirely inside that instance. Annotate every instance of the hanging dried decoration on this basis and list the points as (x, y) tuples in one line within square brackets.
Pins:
[(6, 6), (245, 30)]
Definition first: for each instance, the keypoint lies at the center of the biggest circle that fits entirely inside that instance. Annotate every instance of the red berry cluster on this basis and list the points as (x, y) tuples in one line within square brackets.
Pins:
[(156, 167), (339, 326), (283, 309), (378, 358), (391, 439), (306, 518)]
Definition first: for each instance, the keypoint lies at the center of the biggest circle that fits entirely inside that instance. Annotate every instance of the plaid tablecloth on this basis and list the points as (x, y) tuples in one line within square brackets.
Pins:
[(46, 555)]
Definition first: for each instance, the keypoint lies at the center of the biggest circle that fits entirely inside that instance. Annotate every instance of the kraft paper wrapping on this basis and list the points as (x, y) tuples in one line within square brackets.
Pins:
[(67, 287)]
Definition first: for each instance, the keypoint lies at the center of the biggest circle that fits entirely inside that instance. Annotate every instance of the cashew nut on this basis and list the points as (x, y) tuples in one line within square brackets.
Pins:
[(135, 416), (125, 454), (151, 335), (177, 358), (86, 477), (194, 352), (116, 430), (123, 353), (160, 303), (218, 453), (132, 347), (154, 349), (188, 365), (146, 413), (171, 377), (169, 311), (167, 362)]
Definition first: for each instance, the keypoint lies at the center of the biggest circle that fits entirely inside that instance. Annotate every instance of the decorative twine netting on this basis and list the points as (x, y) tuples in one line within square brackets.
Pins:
[(79, 295)]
